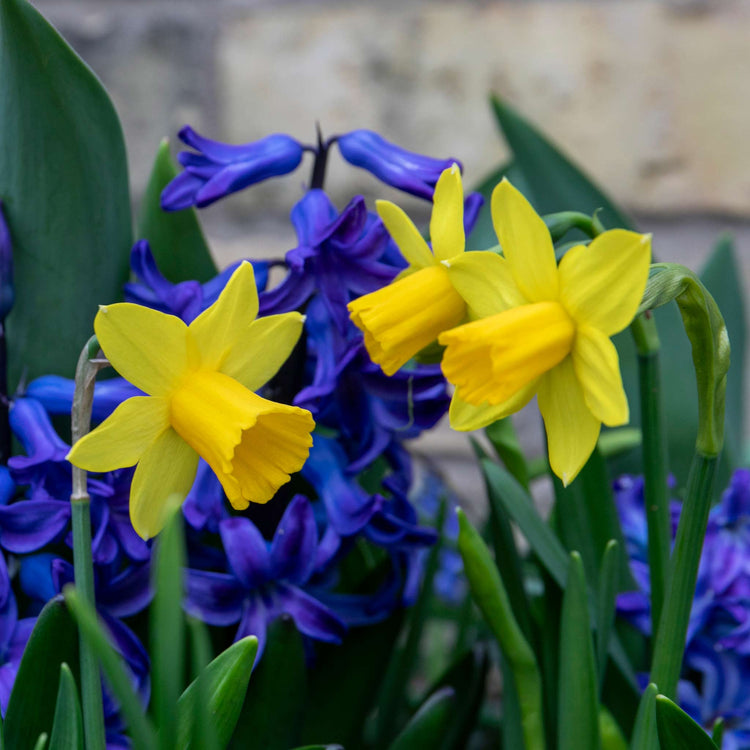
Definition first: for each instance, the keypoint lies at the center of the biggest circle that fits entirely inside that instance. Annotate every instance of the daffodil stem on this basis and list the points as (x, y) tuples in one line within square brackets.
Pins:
[(683, 574), (91, 689), (654, 461)]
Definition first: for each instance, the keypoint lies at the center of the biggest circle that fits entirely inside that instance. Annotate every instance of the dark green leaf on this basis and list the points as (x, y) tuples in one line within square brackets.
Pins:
[(605, 605), (427, 726), (226, 679), (67, 728), (175, 237), (645, 735), (31, 708), (511, 730), (677, 730), (275, 700), (64, 184), (578, 704)]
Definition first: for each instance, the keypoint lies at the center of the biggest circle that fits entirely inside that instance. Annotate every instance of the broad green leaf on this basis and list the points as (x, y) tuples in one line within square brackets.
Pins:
[(606, 596), (427, 726), (64, 184), (139, 727), (167, 629), (677, 730), (275, 700), (67, 728), (226, 679), (578, 705), (175, 237), (31, 708), (645, 736)]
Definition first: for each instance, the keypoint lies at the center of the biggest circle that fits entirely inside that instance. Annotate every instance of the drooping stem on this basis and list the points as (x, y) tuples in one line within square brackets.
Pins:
[(654, 461), (91, 690)]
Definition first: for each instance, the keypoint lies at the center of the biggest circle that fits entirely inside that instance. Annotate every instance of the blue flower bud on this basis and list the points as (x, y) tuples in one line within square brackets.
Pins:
[(7, 293), (218, 169), (391, 164)]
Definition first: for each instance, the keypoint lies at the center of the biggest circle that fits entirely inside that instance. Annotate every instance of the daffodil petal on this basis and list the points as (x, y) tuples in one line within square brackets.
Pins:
[(447, 221), (217, 329), (485, 281), (572, 430), (465, 417), (262, 348), (122, 438), (526, 243), (410, 242), (597, 368), (602, 285), (167, 468), (149, 348)]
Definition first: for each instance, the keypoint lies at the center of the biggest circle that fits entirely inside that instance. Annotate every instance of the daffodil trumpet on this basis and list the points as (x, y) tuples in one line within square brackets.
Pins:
[(544, 330), (201, 381)]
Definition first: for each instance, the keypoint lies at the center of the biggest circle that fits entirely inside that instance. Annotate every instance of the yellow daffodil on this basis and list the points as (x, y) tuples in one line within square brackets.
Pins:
[(201, 380), (545, 330), (402, 318)]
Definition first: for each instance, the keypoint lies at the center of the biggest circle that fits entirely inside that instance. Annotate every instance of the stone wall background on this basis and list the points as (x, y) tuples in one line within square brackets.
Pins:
[(651, 96)]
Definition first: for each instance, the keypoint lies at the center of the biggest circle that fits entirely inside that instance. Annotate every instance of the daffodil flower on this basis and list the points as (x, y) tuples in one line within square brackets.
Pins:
[(545, 330), (402, 318), (201, 380)]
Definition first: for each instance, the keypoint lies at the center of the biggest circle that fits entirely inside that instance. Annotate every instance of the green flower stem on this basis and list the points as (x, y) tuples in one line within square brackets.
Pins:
[(647, 345), (91, 689), (683, 574)]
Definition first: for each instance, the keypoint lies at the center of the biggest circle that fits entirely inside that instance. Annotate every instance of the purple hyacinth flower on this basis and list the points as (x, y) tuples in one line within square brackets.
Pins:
[(391, 164), (7, 290), (265, 580), (187, 299), (218, 169), (7, 486)]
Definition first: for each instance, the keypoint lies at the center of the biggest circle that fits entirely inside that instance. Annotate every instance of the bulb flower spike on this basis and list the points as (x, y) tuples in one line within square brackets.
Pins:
[(544, 330), (201, 381)]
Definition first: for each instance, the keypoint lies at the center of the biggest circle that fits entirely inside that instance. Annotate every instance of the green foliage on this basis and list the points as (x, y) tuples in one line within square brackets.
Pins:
[(677, 730), (64, 184), (427, 726), (67, 728)]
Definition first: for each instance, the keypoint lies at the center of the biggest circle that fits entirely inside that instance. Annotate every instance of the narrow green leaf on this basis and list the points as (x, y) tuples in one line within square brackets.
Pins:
[(645, 736), (717, 732), (139, 727), (610, 732), (275, 700), (31, 707), (605, 606), (175, 237), (226, 679), (168, 628), (320, 747), (67, 728), (41, 742), (511, 730), (504, 440), (64, 185), (677, 730), (578, 705), (203, 732), (426, 727)]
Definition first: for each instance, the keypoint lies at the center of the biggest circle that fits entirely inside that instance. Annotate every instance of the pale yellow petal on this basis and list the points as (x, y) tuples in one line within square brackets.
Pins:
[(572, 430), (602, 285), (149, 348), (597, 368), (262, 348), (485, 281), (167, 468), (526, 243), (121, 439), (410, 242), (447, 222), (217, 329), (465, 417)]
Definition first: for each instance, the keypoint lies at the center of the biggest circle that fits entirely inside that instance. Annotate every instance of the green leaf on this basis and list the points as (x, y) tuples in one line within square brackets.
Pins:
[(275, 700), (139, 727), (31, 707), (168, 627), (610, 732), (677, 730), (226, 679), (175, 237), (64, 184), (504, 439), (645, 735), (204, 732), (605, 605), (511, 730), (578, 705), (67, 728), (41, 742), (427, 726)]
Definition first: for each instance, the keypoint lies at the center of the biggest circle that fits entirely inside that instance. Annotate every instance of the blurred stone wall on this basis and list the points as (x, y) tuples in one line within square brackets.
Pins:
[(651, 97)]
